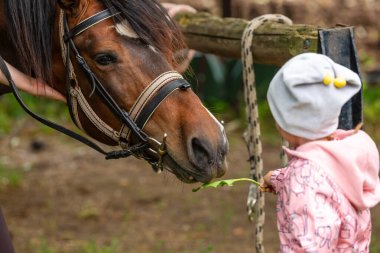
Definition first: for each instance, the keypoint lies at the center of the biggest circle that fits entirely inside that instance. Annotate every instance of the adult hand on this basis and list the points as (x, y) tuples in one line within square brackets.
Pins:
[(31, 85), (174, 9)]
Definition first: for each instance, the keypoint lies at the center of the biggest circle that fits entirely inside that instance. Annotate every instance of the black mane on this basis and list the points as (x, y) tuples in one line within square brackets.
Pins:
[(31, 24)]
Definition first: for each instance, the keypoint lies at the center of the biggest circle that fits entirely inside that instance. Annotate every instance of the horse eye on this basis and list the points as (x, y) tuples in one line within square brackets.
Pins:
[(105, 59)]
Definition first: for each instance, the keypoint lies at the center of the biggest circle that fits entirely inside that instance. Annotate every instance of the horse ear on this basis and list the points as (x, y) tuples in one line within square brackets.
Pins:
[(69, 6)]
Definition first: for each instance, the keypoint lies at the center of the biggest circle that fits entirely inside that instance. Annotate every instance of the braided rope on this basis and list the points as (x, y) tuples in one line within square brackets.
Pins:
[(255, 201), (63, 46)]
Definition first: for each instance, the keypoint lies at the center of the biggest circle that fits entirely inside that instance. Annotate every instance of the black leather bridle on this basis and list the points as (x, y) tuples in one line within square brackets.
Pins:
[(146, 147)]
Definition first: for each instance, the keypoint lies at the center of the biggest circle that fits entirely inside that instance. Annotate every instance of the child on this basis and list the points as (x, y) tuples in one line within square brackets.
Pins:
[(332, 178)]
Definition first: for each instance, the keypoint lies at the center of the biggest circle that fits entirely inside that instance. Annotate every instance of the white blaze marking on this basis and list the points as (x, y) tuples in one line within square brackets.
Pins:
[(217, 122), (125, 29)]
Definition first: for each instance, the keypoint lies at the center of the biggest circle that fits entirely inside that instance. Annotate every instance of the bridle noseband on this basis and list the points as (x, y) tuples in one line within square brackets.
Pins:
[(133, 121)]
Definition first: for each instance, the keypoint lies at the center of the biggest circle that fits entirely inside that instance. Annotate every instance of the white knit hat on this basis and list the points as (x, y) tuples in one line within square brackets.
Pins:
[(307, 94)]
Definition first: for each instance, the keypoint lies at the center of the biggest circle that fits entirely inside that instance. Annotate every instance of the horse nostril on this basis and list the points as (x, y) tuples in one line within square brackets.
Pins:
[(200, 154), (208, 160)]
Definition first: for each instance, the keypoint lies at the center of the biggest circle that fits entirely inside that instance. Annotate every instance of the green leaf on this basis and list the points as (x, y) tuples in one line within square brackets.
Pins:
[(228, 182)]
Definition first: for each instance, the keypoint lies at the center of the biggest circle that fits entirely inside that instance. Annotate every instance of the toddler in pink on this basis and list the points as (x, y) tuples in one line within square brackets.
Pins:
[(332, 178)]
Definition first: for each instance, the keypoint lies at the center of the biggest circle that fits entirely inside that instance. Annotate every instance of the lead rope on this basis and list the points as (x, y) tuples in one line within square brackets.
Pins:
[(255, 200)]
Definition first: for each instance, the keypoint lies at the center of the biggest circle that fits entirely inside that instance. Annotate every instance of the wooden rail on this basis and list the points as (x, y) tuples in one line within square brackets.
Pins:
[(273, 43)]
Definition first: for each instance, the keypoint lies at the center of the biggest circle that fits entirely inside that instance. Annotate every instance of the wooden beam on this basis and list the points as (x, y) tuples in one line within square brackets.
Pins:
[(273, 43)]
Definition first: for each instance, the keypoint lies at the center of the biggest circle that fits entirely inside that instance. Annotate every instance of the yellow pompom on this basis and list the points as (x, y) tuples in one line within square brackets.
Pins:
[(328, 79), (340, 82)]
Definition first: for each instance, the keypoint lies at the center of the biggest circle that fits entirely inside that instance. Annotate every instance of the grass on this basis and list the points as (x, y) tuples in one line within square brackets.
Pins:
[(208, 249), (11, 111), (89, 212), (225, 219), (162, 247), (375, 244), (371, 106), (10, 177), (42, 246), (93, 247)]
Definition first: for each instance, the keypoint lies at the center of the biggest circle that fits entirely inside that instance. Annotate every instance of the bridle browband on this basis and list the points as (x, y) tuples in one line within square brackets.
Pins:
[(133, 121)]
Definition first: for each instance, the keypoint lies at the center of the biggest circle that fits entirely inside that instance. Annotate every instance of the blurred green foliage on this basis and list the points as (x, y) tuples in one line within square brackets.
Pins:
[(371, 110), (94, 247), (219, 83), (41, 245), (11, 111), (10, 176)]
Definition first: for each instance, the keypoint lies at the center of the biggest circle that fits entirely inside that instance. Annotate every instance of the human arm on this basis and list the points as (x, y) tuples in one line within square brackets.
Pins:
[(31, 85), (174, 9)]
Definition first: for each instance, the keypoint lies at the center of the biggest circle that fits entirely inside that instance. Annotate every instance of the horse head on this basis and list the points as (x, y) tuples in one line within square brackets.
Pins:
[(126, 51)]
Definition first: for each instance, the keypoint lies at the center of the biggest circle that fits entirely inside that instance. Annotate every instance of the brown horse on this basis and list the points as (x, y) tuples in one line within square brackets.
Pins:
[(125, 52)]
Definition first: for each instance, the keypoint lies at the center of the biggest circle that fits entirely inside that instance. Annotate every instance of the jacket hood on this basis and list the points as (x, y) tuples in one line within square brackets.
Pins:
[(352, 162)]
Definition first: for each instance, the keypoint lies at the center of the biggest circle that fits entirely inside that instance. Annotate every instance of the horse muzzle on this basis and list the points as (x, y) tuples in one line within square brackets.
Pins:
[(205, 161)]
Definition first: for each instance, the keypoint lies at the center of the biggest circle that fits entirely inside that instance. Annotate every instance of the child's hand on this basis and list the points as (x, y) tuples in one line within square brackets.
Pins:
[(265, 185)]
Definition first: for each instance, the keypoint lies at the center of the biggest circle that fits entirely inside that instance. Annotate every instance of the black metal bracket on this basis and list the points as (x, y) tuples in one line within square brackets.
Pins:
[(339, 44)]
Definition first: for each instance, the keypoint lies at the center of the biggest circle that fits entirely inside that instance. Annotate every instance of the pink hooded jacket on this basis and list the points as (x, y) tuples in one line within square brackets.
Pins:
[(325, 192)]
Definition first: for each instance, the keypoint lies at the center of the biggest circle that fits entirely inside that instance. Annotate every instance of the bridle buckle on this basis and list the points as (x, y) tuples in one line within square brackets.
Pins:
[(158, 150)]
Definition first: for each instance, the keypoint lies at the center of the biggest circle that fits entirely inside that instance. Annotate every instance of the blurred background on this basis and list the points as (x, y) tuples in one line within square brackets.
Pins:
[(59, 196)]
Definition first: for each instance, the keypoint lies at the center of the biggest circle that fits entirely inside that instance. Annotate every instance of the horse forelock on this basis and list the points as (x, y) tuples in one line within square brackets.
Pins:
[(149, 20)]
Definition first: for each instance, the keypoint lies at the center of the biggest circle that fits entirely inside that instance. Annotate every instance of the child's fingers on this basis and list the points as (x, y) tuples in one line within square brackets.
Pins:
[(264, 187)]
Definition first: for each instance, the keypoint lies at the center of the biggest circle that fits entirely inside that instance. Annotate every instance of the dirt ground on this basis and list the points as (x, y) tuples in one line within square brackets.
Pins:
[(66, 198), (69, 199)]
